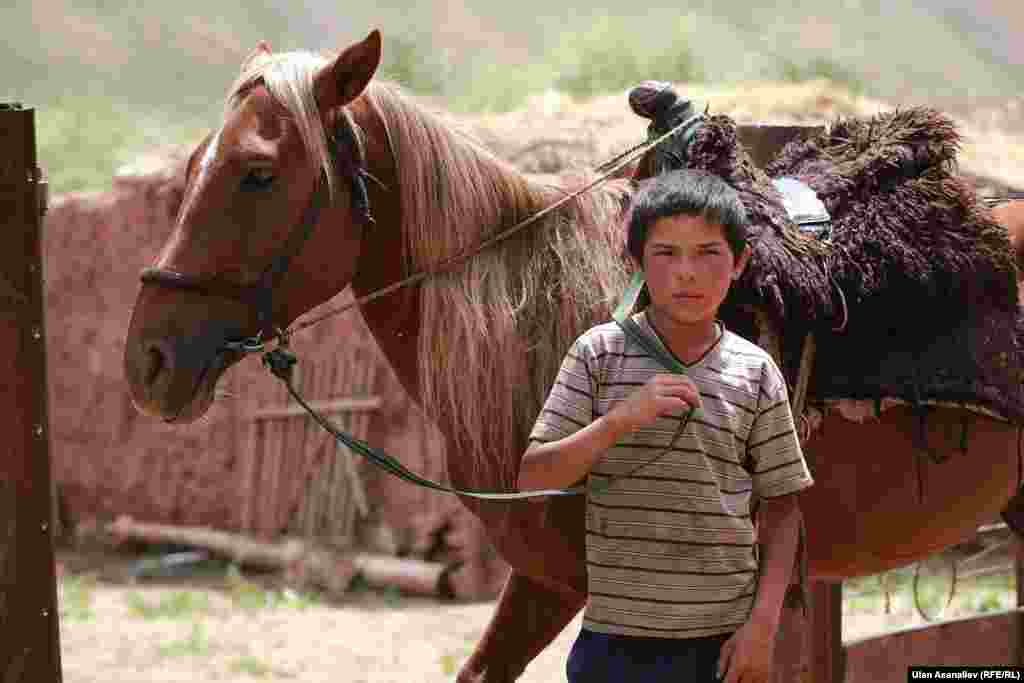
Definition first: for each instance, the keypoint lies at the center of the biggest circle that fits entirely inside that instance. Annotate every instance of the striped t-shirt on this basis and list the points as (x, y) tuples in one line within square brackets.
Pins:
[(670, 549)]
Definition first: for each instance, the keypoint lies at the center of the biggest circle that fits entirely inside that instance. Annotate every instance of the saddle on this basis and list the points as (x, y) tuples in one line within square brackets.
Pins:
[(865, 236)]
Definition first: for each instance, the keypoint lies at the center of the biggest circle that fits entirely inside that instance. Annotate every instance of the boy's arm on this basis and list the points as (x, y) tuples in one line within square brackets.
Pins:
[(778, 472), (747, 656), (564, 462), (778, 530)]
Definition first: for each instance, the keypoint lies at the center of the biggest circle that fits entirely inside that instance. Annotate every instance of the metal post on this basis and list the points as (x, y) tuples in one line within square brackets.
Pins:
[(29, 638)]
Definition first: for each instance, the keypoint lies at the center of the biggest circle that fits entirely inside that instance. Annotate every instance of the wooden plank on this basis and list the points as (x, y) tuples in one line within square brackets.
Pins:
[(30, 646), (764, 141), (989, 640), (826, 632), (329, 407)]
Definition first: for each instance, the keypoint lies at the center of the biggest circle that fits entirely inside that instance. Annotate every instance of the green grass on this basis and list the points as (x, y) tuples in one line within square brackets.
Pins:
[(251, 595), (979, 594), (75, 597), (194, 644), (253, 666), (176, 605)]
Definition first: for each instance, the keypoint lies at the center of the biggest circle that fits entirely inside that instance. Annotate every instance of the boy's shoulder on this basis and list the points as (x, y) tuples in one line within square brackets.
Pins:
[(739, 351), (603, 337), (741, 346)]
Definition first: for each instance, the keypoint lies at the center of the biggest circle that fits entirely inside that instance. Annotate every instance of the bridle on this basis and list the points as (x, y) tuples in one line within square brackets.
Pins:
[(348, 161)]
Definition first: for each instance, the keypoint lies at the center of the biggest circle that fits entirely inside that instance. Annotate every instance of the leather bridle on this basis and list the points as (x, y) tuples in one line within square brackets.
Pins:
[(348, 161)]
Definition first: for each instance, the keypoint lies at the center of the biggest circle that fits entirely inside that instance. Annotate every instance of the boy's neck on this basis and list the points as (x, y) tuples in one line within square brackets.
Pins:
[(688, 341)]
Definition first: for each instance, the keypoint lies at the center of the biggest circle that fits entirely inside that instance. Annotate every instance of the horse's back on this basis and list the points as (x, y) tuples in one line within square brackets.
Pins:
[(879, 501)]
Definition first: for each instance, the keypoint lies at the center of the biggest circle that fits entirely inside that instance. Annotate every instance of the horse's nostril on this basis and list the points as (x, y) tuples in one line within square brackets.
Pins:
[(156, 362)]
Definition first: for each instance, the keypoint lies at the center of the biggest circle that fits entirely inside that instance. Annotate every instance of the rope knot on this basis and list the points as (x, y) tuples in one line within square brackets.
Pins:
[(281, 363)]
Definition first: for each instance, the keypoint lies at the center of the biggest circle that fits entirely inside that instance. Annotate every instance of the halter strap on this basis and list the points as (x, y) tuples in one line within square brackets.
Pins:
[(347, 161)]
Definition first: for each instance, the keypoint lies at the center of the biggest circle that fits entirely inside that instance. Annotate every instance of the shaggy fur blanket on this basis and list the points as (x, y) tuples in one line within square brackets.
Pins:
[(914, 292)]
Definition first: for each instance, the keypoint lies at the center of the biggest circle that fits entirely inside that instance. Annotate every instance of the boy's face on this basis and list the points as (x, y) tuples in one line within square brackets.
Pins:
[(689, 266)]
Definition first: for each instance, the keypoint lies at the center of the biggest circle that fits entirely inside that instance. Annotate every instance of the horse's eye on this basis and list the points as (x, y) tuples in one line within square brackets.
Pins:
[(258, 179)]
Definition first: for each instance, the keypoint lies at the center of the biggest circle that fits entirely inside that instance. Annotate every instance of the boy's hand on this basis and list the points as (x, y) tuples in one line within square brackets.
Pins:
[(747, 656), (660, 395)]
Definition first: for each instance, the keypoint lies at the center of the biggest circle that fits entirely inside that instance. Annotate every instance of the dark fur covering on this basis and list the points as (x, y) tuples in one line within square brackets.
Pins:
[(928, 276)]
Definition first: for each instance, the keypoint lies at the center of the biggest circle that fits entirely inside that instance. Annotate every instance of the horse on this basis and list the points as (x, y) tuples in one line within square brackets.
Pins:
[(478, 345)]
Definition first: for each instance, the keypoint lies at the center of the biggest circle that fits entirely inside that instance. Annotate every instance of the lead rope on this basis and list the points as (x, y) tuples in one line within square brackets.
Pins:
[(281, 362), (799, 399)]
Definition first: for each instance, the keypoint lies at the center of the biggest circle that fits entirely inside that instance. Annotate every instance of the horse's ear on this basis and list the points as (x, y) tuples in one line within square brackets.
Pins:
[(262, 49), (345, 78)]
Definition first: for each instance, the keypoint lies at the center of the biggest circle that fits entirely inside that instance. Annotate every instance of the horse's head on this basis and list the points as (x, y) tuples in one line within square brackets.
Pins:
[(269, 226)]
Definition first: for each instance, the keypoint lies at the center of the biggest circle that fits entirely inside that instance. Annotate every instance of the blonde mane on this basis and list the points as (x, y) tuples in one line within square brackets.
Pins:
[(289, 76), (495, 330)]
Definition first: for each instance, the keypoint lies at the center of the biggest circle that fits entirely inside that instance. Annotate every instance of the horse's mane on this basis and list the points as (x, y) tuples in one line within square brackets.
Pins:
[(493, 332), (289, 78)]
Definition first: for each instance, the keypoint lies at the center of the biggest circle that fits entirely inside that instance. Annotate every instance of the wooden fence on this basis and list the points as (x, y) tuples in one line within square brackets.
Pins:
[(295, 477), (29, 645)]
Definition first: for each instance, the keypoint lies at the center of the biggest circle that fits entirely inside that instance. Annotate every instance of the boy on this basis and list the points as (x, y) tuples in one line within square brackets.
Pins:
[(673, 580)]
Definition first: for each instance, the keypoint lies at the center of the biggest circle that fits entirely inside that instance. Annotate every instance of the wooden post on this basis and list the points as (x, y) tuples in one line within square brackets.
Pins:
[(828, 664), (29, 644), (1018, 570)]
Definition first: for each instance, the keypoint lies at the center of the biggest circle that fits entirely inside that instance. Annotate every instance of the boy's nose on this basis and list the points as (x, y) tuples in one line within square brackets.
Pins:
[(686, 271)]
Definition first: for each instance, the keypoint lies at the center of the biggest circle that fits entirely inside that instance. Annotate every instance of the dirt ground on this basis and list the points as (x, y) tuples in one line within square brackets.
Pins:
[(240, 629)]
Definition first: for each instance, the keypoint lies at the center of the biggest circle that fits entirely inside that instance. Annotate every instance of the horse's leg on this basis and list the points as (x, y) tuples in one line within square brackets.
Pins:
[(528, 617)]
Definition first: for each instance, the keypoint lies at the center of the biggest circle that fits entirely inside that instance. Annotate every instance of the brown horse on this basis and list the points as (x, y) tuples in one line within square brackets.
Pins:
[(479, 346)]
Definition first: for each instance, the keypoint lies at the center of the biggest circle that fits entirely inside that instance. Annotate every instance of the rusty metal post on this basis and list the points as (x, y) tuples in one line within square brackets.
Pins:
[(29, 638)]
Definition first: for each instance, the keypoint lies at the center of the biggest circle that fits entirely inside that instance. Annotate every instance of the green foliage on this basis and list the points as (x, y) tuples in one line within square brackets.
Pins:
[(608, 57), (176, 605), (82, 141), (415, 63), (74, 596), (821, 68), (111, 80)]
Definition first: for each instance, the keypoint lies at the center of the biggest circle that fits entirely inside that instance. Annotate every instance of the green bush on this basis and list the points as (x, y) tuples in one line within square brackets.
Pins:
[(82, 141), (608, 57), (821, 67)]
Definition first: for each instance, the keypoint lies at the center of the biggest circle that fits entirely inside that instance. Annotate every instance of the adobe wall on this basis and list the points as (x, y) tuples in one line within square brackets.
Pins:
[(109, 460)]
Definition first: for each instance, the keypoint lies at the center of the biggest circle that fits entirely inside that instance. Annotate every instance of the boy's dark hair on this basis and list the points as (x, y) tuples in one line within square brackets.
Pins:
[(686, 192)]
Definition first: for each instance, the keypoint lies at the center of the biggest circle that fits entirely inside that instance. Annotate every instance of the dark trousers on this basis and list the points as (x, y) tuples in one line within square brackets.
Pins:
[(603, 658)]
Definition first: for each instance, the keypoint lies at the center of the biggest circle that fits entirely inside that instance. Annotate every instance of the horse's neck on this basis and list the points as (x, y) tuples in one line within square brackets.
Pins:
[(393, 320)]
